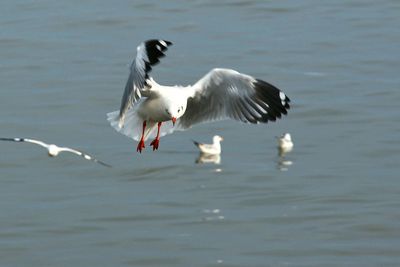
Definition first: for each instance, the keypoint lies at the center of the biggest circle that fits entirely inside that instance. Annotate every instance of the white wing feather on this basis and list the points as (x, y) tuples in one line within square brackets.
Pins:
[(84, 155), (148, 54), (226, 93)]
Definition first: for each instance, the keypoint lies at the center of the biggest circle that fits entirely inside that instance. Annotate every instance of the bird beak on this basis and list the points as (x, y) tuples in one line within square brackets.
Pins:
[(173, 121)]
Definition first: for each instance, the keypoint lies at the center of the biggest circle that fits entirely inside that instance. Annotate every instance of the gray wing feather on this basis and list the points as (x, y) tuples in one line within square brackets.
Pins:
[(84, 155), (225, 93), (148, 54), (17, 139)]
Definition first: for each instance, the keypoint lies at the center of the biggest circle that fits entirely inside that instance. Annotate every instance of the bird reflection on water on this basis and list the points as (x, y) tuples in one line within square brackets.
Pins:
[(208, 158)]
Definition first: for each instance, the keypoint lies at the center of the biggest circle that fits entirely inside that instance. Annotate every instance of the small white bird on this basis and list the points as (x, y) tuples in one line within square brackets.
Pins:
[(285, 143), (211, 149), (220, 94), (54, 150)]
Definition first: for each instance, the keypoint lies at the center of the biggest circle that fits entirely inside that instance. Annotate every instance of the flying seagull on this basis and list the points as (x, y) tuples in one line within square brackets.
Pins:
[(210, 149), (54, 150), (220, 94)]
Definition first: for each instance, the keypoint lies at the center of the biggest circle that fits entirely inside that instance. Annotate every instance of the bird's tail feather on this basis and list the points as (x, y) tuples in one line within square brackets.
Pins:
[(133, 124), (196, 143)]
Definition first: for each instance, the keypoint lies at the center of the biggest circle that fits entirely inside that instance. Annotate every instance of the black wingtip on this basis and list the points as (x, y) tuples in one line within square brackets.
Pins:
[(12, 139), (277, 101), (158, 40), (104, 164), (169, 43), (155, 49), (196, 143)]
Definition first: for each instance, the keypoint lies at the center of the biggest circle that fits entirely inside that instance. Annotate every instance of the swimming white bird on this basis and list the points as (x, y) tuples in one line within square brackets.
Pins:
[(285, 143), (211, 149), (54, 150), (220, 94)]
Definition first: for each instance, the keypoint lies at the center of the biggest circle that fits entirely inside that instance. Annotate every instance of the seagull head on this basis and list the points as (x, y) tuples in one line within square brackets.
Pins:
[(287, 137), (171, 115), (217, 139), (175, 112)]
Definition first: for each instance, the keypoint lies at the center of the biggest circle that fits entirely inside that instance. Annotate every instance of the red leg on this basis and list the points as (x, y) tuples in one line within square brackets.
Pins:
[(140, 146), (156, 141)]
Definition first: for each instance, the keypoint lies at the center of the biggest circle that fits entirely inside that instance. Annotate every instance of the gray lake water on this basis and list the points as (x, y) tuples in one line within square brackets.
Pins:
[(63, 66)]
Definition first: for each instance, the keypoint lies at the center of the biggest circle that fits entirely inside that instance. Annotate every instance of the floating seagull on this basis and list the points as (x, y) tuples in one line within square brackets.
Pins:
[(285, 143), (211, 149), (220, 94), (54, 150)]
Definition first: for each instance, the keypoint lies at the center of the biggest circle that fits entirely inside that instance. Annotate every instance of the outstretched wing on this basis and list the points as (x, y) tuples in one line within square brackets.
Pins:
[(84, 155), (40, 143), (148, 55), (12, 139), (225, 93)]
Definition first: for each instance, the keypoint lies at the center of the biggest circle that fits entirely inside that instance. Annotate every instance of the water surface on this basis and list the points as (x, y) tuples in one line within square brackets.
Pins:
[(63, 67)]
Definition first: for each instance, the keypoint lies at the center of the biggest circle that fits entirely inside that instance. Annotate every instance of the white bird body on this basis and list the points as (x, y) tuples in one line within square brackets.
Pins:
[(164, 103), (220, 94), (162, 100), (210, 149), (53, 150), (285, 143)]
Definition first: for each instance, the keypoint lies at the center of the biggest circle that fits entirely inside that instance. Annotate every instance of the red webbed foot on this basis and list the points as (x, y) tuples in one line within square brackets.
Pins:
[(155, 143), (140, 146)]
